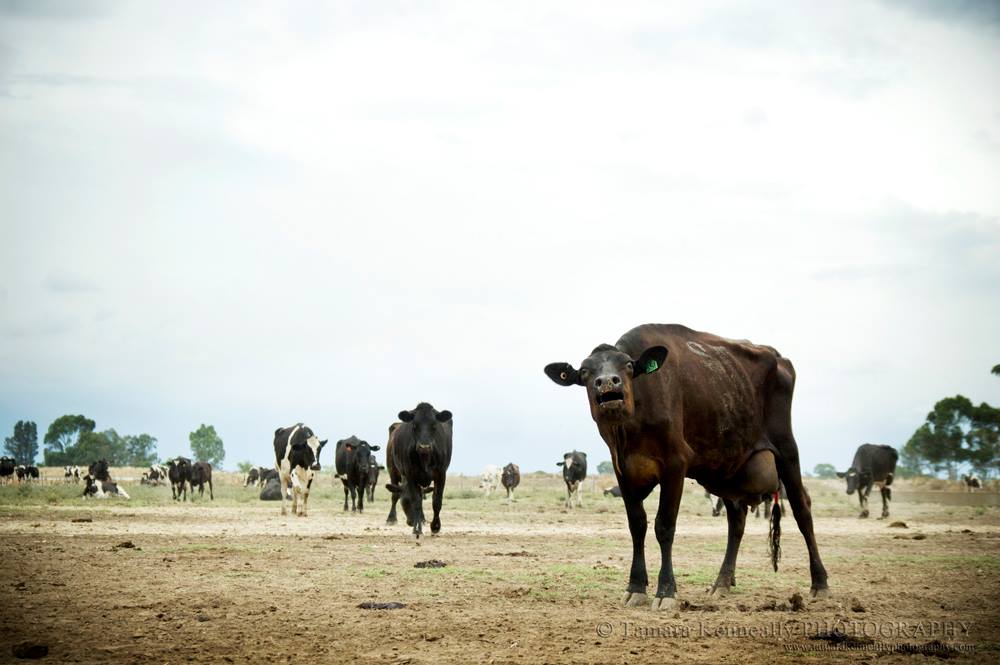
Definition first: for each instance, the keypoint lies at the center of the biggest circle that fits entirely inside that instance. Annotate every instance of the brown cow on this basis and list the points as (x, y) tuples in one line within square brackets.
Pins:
[(670, 403)]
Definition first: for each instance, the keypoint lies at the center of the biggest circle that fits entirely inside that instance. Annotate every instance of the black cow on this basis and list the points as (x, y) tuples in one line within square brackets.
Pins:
[(418, 456), (267, 474), (201, 473), (33, 472), (7, 469), (510, 479), (872, 465), (715, 503), (20, 471), (99, 470), (252, 477), (972, 483), (296, 458), (179, 472), (613, 491), (574, 466), (373, 468), (100, 489), (272, 489), (670, 403), (353, 458)]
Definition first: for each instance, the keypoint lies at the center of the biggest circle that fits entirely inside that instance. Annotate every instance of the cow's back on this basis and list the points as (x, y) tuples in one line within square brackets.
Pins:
[(715, 391), (878, 460)]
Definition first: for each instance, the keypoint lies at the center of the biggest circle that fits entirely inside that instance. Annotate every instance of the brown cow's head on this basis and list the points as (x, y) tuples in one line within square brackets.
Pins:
[(608, 374)]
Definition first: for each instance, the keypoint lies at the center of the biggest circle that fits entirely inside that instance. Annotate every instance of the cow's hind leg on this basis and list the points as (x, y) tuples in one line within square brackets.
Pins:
[(736, 516), (284, 491), (863, 498), (391, 519), (798, 498), (665, 527), (346, 492)]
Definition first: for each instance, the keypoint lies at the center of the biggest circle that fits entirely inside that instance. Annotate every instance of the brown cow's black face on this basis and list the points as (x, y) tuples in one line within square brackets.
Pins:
[(608, 373)]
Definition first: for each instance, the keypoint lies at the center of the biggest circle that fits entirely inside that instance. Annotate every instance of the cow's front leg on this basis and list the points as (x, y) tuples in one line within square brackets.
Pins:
[(436, 505), (569, 496), (665, 526), (736, 515), (361, 498), (863, 498), (635, 596), (346, 491), (391, 519)]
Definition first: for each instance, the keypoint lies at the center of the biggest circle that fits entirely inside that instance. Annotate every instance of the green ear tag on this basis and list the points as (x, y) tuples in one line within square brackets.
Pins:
[(652, 366)]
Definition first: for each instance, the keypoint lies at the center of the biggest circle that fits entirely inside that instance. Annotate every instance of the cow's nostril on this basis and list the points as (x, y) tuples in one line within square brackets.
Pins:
[(616, 380), (598, 382)]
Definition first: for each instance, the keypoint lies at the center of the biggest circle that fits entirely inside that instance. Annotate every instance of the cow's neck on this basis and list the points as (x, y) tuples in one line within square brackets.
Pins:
[(617, 436)]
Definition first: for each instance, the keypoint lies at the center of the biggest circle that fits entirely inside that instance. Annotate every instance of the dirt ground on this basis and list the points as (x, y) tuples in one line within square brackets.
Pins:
[(231, 580)]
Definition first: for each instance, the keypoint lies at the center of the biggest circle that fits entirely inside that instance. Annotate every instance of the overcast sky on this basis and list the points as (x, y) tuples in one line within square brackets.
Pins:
[(250, 216)]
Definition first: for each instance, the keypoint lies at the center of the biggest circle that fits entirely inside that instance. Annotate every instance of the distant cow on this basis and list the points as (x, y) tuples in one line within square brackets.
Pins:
[(179, 472), (20, 471), (353, 460), (613, 491), (99, 470), (156, 475), (510, 479), (267, 474), (99, 489), (7, 468), (574, 466), (27, 473), (373, 468), (489, 480), (296, 458), (714, 503), (201, 473), (71, 473), (674, 403), (872, 465), (33, 472), (252, 477), (972, 483), (418, 463)]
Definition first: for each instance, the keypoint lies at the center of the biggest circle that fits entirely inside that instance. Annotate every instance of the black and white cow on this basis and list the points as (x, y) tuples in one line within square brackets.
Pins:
[(33, 472), (613, 491), (574, 466), (972, 483), (353, 459), (872, 465), (99, 489), (99, 470), (157, 474), (8, 465), (201, 473), (20, 471), (296, 458), (71, 474), (714, 503), (510, 479), (252, 477), (267, 474), (373, 468), (179, 472), (417, 458)]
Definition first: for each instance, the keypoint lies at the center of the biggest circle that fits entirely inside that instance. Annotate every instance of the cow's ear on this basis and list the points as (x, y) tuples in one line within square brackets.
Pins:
[(563, 373), (323, 442), (841, 474), (443, 416), (560, 463), (376, 448), (650, 361), (406, 416)]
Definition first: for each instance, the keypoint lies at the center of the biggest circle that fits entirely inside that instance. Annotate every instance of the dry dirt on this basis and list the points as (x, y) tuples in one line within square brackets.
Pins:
[(233, 581)]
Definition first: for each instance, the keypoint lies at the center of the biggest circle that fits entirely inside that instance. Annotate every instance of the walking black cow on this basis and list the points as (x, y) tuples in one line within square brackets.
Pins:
[(201, 473), (353, 459), (872, 465), (373, 468), (510, 479), (418, 457), (179, 473)]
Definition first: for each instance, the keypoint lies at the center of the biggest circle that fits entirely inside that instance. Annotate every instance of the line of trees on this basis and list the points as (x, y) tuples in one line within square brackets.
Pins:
[(956, 433)]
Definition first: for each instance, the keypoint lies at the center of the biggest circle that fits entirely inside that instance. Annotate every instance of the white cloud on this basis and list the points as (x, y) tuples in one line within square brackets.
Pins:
[(331, 213)]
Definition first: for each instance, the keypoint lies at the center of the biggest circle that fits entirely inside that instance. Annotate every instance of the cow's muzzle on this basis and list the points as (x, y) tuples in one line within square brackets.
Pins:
[(423, 448)]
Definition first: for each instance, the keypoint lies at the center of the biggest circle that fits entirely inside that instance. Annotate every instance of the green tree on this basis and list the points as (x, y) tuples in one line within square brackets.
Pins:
[(996, 370), (825, 471), (244, 467), (63, 433), (206, 445), (23, 445), (140, 449), (93, 446), (982, 441), (605, 467)]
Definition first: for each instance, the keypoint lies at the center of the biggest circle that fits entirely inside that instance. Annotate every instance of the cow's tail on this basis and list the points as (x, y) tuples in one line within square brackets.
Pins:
[(774, 533)]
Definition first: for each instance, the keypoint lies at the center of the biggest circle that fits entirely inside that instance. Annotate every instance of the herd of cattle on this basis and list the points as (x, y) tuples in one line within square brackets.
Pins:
[(670, 403)]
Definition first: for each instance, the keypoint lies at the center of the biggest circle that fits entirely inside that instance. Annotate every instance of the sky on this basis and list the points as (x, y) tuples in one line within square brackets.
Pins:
[(252, 215)]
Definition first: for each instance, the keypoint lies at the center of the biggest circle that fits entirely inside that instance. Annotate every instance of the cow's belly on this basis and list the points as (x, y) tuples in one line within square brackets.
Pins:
[(639, 470)]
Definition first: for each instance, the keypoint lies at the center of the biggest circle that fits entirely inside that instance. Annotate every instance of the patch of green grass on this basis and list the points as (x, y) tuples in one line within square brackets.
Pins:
[(375, 573)]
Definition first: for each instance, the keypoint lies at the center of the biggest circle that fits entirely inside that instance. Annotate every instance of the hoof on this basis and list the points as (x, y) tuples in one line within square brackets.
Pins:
[(820, 594), (390, 522), (664, 604), (719, 590), (635, 599)]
